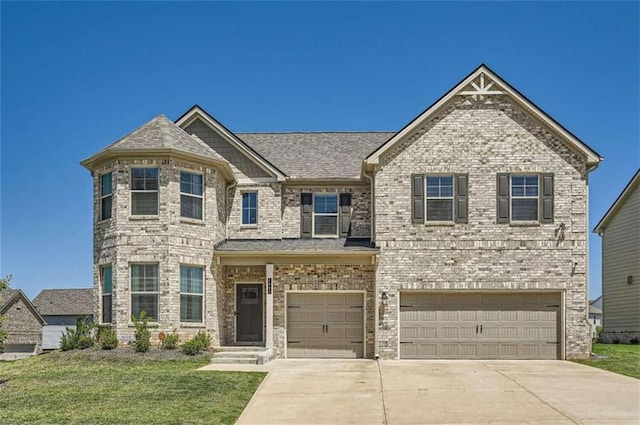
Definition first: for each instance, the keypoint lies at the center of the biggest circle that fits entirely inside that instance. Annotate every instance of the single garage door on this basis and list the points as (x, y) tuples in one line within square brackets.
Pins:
[(325, 325), (479, 325)]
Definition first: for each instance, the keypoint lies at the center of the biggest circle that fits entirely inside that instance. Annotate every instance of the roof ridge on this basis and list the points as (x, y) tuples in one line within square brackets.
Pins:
[(318, 132)]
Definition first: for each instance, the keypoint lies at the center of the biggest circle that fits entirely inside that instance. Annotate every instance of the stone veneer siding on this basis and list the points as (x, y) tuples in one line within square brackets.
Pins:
[(167, 240), (21, 326), (482, 138), (321, 277), (360, 208)]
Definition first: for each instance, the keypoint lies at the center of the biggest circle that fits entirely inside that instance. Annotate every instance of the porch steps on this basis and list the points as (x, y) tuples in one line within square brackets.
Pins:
[(240, 355)]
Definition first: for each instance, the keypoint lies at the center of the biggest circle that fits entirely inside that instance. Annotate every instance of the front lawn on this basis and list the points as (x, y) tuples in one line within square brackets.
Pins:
[(74, 388), (623, 359)]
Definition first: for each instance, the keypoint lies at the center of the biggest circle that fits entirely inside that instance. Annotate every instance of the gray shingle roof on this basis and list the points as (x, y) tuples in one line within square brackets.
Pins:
[(594, 310), (65, 302), (298, 245), (162, 133), (316, 155), (6, 295)]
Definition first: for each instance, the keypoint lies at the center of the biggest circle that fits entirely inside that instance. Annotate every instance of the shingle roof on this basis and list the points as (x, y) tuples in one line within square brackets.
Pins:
[(65, 302), (298, 245), (594, 310), (162, 133), (6, 295), (316, 155)]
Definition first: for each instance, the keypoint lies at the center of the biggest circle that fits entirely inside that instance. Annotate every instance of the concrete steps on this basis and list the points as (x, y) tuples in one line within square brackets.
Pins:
[(241, 355)]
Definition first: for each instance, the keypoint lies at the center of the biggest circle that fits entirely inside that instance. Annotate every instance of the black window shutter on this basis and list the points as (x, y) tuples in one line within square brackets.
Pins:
[(502, 196), (462, 198), (546, 198), (306, 203), (345, 214), (417, 198)]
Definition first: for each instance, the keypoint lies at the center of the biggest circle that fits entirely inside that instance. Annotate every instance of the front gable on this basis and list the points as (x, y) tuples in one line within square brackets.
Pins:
[(245, 162), (485, 90)]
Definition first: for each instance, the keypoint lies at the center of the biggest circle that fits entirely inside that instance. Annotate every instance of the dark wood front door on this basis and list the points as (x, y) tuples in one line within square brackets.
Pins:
[(249, 313)]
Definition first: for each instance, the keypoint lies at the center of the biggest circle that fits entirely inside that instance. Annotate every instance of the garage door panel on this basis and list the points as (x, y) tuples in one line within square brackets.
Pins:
[(512, 326), (325, 325)]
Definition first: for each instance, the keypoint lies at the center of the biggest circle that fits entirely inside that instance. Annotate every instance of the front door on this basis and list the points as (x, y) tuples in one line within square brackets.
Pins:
[(249, 312)]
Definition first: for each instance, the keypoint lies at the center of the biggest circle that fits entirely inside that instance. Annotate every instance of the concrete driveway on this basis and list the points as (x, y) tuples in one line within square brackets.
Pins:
[(442, 392)]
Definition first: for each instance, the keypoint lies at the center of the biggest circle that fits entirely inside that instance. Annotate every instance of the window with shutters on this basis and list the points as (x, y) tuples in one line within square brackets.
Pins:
[(524, 198), (191, 195), (144, 191), (325, 214), (439, 198)]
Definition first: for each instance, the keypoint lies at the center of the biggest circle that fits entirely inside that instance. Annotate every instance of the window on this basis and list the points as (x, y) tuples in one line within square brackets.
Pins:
[(249, 208), (439, 198), (144, 290), (106, 282), (191, 195), (106, 194), (144, 191), (191, 293), (524, 198), (325, 214)]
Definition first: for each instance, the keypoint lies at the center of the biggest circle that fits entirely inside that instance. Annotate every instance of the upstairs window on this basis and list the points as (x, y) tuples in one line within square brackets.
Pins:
[(524, 198), (107, 297), (191, 195), (144, 191), (106, 195), (191, 293), (144, 290), (325, 214), (439, 198), (249, 208)]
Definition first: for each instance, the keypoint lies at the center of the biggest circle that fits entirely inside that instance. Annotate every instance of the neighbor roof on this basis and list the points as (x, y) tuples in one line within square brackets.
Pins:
[(299, 246), (161, 135), (594, 310), (315, 155), (619, 202), (7, 298), (65, 302)]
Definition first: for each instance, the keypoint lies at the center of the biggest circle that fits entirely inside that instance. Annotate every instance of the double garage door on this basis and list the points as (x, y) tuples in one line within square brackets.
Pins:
[(479, 325), (325, 325)]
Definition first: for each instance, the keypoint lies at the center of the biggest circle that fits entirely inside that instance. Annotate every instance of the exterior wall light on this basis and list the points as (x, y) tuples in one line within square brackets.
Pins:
[(629, 280), (384, 297)]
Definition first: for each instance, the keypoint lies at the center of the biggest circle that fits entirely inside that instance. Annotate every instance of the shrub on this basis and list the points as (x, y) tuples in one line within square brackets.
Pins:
[(142, 336), (107, 338), (78, 337), (197, 344), (634, 341), (171, 341)]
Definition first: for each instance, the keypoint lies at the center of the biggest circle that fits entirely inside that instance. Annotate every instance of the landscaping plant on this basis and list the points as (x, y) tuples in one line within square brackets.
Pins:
[(198, 344), (78, 337), (142, 336), (171, 341), (107, 338)]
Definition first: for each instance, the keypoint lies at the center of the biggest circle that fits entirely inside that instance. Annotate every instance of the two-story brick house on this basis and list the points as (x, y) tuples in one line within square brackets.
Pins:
[(463, 235)]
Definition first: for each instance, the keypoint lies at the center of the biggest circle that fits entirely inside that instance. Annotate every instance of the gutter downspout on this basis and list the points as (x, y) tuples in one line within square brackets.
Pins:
[(586, 178), (376, 345), (226, 209), (372, 207)]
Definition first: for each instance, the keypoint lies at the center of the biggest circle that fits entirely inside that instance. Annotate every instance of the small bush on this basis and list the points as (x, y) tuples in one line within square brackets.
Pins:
[(171, 341), (199, 343), (107, 338), (142, 336), (80, 337), (634, 341)]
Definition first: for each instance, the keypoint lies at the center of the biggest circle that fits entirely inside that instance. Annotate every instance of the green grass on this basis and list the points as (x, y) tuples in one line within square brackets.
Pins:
[(623, 359), (71, 388)]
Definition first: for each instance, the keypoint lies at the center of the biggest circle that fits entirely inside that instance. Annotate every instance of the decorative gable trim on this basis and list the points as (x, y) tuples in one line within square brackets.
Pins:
[(480, 83), (619, 202), (196, 112)]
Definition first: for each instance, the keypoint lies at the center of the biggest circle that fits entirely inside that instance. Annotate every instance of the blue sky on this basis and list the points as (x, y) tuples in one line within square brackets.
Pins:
[(77, 76)]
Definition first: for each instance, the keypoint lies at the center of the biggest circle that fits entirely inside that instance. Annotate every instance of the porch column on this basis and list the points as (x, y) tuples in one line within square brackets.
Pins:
[(269, 283)]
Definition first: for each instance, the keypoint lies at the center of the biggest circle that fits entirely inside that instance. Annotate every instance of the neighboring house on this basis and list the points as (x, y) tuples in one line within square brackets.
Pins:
[(620, 232), (595, 317), (22, 323), (61, 308), (463, 235)]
